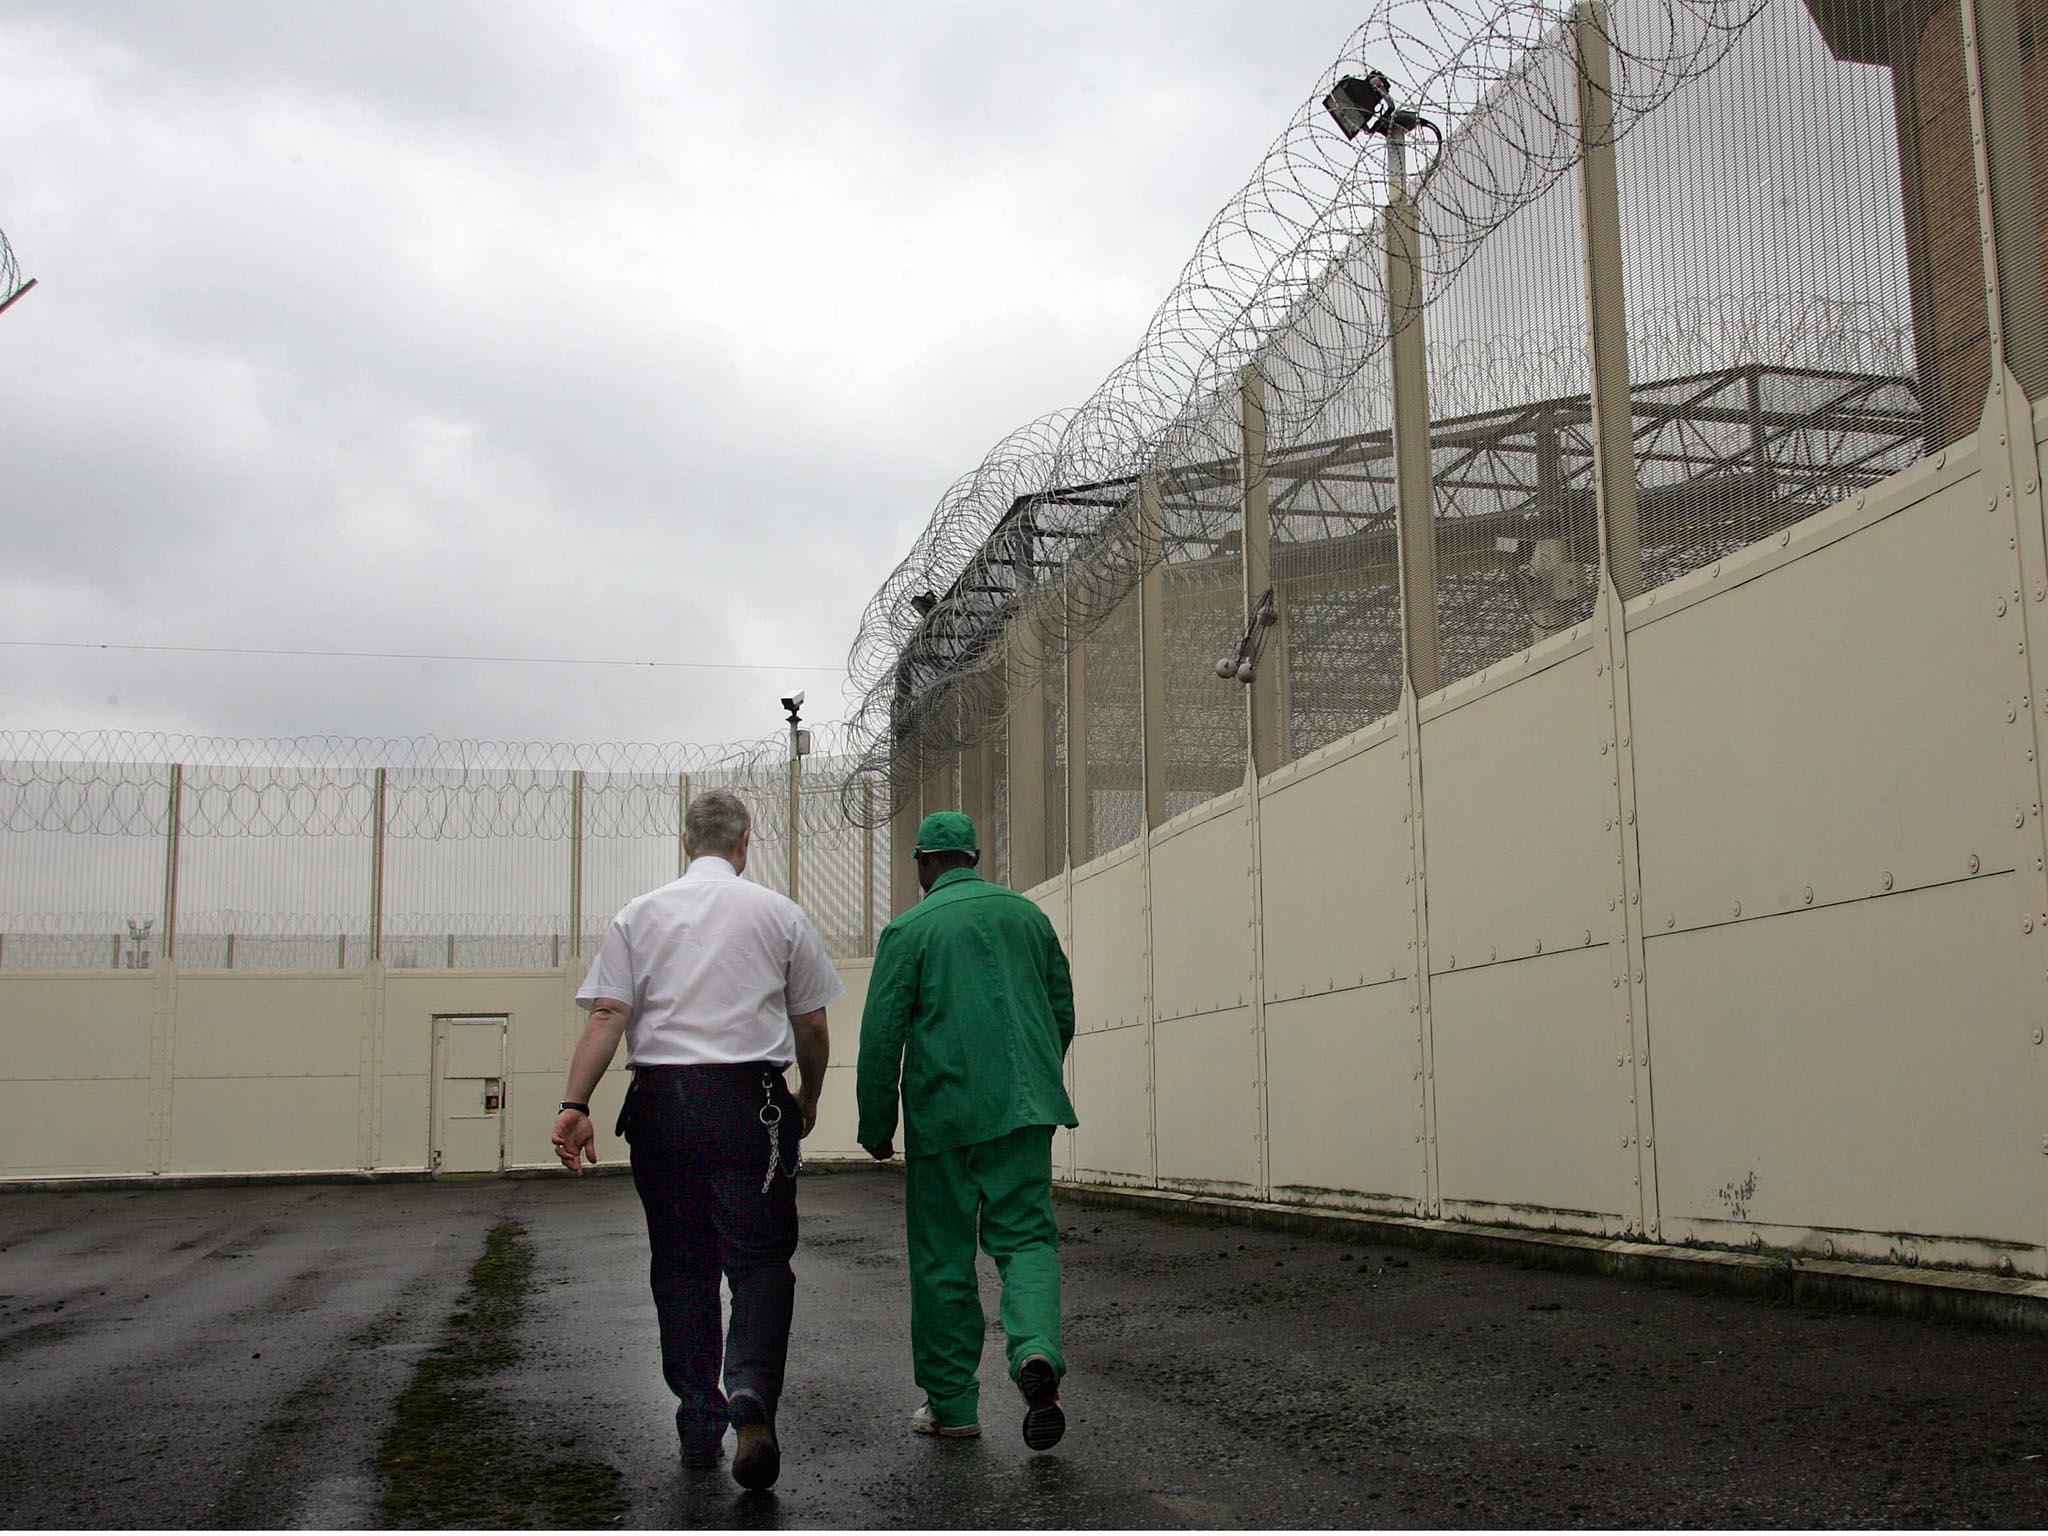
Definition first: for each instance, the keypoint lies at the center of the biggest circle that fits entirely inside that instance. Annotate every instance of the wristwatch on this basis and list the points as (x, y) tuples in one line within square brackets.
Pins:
[(581, 1109)]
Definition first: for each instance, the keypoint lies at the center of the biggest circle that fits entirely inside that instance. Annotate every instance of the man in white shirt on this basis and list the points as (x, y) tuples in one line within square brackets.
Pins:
[(717, 985)]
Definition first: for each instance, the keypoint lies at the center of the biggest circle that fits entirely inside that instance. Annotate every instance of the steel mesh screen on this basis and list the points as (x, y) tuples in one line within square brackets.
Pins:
[(1506, 361), (995, 838), (1114, 732), (1201, 585), (81, 858), (476, 867), (2013, 45), (274, 867), (1055, 769), (1335, 540), (1806, 313)]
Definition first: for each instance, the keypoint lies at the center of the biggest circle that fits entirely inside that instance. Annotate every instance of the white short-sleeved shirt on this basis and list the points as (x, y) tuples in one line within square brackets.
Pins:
[(712, 967)]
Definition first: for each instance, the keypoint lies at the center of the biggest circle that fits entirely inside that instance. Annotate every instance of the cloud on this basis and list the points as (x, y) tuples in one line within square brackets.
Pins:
[(626, 331)]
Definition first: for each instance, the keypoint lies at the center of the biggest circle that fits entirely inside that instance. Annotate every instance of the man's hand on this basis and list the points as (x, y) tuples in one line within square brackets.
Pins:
[(575, 1139), (808, 1104), (884, 1152)]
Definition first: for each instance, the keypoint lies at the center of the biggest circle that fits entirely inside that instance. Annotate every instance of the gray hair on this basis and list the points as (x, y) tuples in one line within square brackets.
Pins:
[(715, 822)]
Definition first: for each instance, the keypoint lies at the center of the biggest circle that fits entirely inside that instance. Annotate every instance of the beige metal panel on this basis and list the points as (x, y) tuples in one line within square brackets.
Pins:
[(1204, 1071), (1529, 1090), (54, 1026), (1334, 859), (838, 1117), (843, 1017), (1833, 722), (403, 1107), (1107, 951), (1344, 1099), (54, 1128), (1052, 901), (1862, 1066), (1111, 1070), (1520, 819), (269, 1026), (264, 1125), (532, 999), (533, 1100), (1202, 915)]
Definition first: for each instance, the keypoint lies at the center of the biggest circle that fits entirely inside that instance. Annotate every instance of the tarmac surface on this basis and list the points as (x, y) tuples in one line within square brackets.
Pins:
[(484, 1353)]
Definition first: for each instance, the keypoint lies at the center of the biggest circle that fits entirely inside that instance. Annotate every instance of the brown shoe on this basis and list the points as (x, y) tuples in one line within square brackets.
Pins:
[(757, 1461)]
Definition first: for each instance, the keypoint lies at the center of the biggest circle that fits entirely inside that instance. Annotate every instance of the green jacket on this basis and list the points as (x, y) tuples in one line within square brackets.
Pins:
[(971, 1004)]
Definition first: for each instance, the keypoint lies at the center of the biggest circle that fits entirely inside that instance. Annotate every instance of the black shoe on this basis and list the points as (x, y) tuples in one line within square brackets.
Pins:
[(703, 1441), (758, 1460), (1044, 1420)]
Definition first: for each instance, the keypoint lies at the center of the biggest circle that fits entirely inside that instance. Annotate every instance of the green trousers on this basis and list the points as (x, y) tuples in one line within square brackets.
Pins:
[(1000, 1192)]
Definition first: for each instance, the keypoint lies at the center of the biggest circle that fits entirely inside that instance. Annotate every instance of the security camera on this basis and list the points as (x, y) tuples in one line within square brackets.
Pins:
[(794, 702)]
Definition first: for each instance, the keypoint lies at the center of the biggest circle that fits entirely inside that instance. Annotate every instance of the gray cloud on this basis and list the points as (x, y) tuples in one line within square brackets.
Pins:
[(618, 330)]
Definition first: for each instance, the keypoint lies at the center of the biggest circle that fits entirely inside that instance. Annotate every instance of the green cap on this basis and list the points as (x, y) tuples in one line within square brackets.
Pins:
[(947, 832)]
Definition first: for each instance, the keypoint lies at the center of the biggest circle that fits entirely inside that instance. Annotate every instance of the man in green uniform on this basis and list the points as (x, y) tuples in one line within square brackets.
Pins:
[(971, 1006)]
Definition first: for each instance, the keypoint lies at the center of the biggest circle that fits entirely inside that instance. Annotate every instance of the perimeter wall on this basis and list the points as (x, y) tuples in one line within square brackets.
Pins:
[(1398, 973), (170, 1071)]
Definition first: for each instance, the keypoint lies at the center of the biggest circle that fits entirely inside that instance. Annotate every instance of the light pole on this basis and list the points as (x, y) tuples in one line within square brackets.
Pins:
[(799, 747)]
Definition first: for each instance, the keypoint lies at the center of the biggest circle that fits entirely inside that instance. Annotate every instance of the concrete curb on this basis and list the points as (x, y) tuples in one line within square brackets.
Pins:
[(1998, 1301), (94, 1183)]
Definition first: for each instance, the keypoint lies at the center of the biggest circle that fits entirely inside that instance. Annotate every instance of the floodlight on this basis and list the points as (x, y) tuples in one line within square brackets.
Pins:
[(1359, 105)]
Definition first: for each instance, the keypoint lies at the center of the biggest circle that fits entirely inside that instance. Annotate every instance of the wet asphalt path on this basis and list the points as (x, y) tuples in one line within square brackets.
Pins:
[(232, 1357)]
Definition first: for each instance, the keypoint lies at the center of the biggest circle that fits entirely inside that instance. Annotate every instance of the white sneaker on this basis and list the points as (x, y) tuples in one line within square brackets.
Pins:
[(923, 1422)]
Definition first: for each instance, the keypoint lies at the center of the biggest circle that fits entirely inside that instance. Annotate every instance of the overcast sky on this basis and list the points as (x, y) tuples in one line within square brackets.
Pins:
[(605, 330)]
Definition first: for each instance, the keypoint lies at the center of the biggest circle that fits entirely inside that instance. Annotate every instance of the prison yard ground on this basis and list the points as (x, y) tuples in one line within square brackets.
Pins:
[(483, 1353)]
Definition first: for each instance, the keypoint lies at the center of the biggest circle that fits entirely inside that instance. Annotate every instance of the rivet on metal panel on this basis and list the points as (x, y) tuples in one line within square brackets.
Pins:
[(1887, 879), (2027, 924), (2018, 819), (1671, 921), (1632, 898), (1784, 539), (1589, 935), (1610, 906), (1616, 982), (2001, 607), (1736, 910), (1829, 1246), (1631, 818), (1618, 1060), (2011, 714), (1941, 460), (1717, 570), (1539, 946), (2037, 1037)]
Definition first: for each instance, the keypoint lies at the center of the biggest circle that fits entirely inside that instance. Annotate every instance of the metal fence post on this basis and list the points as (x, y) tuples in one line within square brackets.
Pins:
[(376, 873), (1262, 699), (1614, 484), (1027, 751), (796, 816), (1152, 650), (1414, 483), (174, 824), (1606, 302), (576, 863)]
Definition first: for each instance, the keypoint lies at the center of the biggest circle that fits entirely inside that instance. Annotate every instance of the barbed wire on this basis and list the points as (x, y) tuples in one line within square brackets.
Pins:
[(1027, 553), (116, 783), (10, 270)]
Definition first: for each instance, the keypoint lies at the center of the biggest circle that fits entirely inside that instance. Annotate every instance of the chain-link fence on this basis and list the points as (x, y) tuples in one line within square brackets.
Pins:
[(421, 854)]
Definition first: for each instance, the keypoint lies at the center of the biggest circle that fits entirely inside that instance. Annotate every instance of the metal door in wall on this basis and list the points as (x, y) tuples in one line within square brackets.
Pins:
[(469, 1093)]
